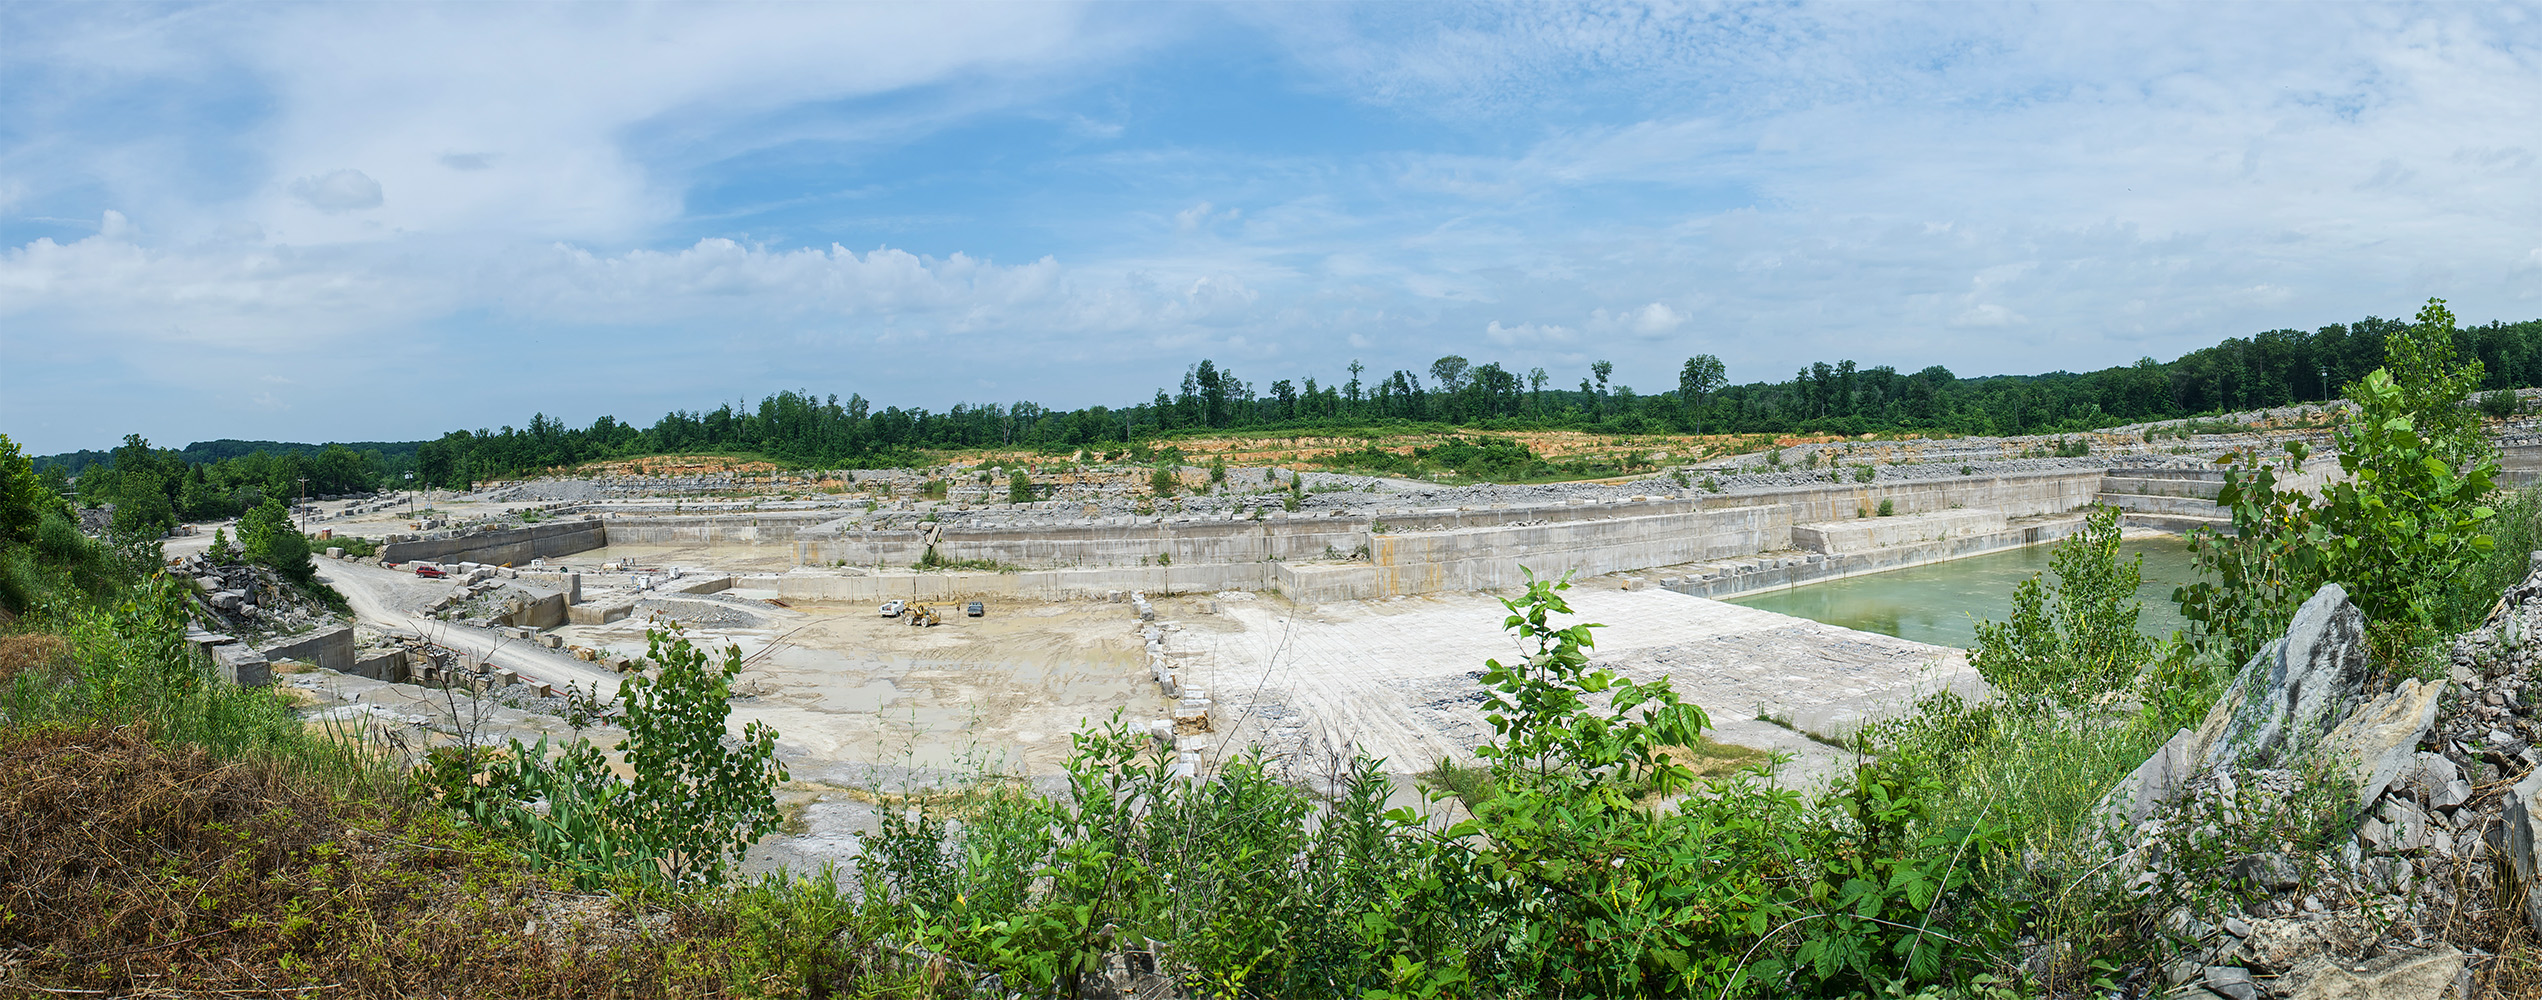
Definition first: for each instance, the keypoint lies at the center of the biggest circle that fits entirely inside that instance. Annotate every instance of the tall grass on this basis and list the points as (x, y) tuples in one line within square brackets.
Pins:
[(2517, 532), (129, 662)]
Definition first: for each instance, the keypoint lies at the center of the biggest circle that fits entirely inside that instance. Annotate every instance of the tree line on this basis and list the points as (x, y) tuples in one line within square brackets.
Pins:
[(2275, 368)]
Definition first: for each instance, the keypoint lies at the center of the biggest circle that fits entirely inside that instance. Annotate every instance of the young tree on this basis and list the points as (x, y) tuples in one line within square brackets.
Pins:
[(270, 538), (24, 500)]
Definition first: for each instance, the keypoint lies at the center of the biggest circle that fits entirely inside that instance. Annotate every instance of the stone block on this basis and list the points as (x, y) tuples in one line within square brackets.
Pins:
[(2380, 741), (2399, 976), (242, 666)]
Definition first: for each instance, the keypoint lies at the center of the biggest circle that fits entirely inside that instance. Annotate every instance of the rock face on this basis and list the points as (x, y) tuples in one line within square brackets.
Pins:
[(2297, 687), (2382, 737), (2293, 691)]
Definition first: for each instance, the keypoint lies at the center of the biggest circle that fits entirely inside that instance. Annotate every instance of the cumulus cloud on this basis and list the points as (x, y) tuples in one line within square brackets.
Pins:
[(338, 191), (2012, 189)]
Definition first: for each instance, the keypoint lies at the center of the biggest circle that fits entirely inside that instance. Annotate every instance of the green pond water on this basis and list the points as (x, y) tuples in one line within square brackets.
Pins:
[(1942, 603)]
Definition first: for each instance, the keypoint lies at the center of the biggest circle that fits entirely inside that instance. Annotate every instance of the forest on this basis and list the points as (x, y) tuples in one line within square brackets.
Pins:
[(2275, 368)]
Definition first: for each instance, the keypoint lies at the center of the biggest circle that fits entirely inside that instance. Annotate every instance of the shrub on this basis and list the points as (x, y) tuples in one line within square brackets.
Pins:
[(2074, 642), (699, 797), (2408, 520), (1888, 507), (2500, 404)]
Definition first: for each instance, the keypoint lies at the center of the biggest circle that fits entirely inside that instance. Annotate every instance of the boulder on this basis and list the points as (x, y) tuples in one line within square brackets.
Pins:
[(2427, 976), (2517, 814), (2380, 741), (2297, 686), (2302, 683)]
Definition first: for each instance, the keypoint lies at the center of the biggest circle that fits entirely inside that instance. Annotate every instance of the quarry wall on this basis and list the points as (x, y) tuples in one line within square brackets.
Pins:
[(503, 546), (1413, 550)]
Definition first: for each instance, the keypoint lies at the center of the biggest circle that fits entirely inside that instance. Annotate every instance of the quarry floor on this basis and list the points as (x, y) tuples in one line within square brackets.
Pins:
[(867, 707)]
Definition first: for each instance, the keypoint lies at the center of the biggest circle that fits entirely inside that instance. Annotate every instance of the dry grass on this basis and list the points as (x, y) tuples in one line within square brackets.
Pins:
[(21, 653), (131, 869)]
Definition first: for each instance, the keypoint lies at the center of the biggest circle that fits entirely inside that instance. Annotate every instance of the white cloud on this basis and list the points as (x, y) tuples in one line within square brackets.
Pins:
[(338, 191)]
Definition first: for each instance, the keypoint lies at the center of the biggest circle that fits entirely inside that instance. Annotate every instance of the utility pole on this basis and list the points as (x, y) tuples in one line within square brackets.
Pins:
[(304, 502)]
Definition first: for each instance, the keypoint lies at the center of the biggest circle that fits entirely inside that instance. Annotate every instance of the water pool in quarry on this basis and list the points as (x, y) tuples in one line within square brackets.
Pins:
[(1941, 603)]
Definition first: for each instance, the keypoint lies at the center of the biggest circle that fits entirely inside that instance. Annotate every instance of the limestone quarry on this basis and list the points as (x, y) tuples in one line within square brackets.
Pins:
[(1315, 615)]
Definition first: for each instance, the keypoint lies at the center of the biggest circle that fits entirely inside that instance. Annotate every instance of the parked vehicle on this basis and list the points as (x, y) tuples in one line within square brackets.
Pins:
[(975, 609), (892, 609), (429, 572)]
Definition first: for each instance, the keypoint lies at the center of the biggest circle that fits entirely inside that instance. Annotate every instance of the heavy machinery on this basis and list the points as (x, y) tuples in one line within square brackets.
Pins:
[(922, 615)]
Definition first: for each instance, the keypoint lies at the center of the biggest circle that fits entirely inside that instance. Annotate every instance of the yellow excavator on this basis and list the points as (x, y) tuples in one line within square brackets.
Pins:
[(922, 615)]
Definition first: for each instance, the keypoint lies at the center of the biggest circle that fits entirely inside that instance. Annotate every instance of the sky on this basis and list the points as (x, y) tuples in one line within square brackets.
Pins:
[(314, 222)]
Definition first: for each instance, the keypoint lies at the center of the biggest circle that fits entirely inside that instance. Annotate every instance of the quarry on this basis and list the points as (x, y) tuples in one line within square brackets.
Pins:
[(1314, 615), (926, 639)]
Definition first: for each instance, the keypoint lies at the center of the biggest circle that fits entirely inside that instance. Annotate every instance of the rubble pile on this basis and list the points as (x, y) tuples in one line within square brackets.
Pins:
[(247, 600), (2435, 858)]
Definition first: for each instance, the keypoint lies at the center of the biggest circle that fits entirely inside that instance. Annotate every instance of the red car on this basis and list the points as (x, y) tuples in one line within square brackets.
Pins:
[(432, 572)]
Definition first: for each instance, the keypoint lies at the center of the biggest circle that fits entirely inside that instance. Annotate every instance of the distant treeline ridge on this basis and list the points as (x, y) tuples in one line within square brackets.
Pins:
[(2279, 367)]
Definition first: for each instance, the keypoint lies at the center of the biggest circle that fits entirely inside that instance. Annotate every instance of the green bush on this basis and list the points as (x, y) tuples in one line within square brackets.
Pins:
[(699, 798), (2077, 641), (271, 539), (2409, 519), (1864, 473), (2500, 404)]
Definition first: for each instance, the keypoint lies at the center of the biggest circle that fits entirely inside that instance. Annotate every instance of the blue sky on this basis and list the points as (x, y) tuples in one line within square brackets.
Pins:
[(374, 221)]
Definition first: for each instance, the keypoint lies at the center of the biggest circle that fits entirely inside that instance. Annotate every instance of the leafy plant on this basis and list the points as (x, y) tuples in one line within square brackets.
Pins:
[(2078, 640), (2408, 518), (700, 796)]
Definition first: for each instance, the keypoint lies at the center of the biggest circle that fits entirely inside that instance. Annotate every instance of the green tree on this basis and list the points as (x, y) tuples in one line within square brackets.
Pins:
[(2078, 640), (700, 797), (24, 499), (142, 509), (2409, 517), (1703, 375), (270, 538), (1019, 488), (1449, 372)]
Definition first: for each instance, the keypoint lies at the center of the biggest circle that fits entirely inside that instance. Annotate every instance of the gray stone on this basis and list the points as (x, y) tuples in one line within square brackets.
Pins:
[(242, 666), (2301, 683), (2155, 783), (2428, 976), (2517, 816), (2381, 740), (2232, 981), (2434, 781)]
